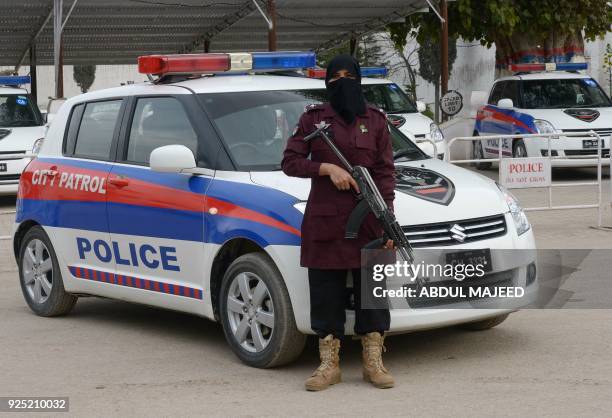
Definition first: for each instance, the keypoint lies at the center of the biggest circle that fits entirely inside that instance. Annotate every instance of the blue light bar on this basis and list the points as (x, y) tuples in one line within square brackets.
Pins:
[(283, 60), (15, 80), (374, 71), (572, 66)]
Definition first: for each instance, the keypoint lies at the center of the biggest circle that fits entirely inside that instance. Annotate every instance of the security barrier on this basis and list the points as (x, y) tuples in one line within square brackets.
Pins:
[(550, 138)]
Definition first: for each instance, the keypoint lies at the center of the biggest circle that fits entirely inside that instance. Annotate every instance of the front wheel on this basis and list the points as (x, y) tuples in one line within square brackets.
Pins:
[(256, 313), (478, 154), (40, 276)]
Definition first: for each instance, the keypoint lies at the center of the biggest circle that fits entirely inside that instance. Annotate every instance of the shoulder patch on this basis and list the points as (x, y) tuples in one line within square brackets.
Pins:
[(313, 107)]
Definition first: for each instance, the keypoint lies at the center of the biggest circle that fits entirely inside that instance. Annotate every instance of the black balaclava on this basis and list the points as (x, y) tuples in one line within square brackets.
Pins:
[(345, 95)]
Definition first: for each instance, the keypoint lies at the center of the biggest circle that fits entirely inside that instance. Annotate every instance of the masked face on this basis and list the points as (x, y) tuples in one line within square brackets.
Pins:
[(343, 83)]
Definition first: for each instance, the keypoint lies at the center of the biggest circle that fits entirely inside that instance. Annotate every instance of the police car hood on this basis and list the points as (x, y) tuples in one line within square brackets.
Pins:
[(427, 191), (563, 119), (20, 138), (416, 124)]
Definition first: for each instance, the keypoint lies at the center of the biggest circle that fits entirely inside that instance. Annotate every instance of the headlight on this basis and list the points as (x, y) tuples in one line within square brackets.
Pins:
[(37, 145), (435, 133), (301, 206), (520, 219), (544, 127)]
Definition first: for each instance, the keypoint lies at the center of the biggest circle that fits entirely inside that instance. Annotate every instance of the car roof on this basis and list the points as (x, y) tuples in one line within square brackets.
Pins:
[(12, 90), (551, 75)]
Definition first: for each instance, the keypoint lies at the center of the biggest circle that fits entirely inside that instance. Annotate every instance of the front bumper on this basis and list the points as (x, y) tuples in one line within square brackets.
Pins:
[(9, 179), (568, 151)]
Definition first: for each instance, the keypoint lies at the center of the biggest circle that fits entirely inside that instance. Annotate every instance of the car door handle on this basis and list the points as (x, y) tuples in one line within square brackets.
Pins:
[(119, 181)]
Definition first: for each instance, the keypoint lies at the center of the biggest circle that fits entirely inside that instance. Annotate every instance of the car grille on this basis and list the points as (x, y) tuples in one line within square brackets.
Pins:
[(9, 178), (603, 132), (10, 153), (605, 152), (439, 234), (491, 280)]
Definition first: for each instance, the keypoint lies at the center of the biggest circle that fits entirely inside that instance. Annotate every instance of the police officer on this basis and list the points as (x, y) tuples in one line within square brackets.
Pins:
[(360, 131)]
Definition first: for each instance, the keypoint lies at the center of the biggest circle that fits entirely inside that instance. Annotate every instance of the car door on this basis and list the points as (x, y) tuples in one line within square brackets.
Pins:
[(78, 185), (156, 220), (497, 121)]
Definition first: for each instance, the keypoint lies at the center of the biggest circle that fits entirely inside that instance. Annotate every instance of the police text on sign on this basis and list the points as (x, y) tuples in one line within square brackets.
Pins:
[(517, 173)]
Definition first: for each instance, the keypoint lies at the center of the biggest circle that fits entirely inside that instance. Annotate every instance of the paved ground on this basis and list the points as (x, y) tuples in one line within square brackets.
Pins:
[(115, 358)]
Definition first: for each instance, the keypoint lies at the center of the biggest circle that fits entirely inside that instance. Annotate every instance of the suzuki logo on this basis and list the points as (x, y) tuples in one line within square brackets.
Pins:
[(457, 233)]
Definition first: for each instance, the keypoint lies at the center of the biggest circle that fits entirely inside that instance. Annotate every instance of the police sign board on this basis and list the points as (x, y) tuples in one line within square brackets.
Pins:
[(519, 173)]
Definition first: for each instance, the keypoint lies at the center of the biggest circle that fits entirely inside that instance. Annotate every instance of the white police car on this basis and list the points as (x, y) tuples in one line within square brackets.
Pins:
[(21, 130), (402, 112), (170, 194), (546, 98)]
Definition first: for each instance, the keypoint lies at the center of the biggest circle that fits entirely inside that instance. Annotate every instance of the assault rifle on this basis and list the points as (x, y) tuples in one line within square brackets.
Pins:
[(370, 200)]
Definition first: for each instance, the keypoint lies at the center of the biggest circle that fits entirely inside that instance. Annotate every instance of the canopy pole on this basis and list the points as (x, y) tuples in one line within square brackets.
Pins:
[(444, 46), (353, 45), (207, 45), (57, 47), (33, 79), (272, 45)]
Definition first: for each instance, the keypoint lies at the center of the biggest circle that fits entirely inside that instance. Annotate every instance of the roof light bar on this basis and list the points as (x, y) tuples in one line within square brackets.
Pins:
[(549, 66), (374, 71), (183, 64), (283, 60), (316, 72), (15, 80)]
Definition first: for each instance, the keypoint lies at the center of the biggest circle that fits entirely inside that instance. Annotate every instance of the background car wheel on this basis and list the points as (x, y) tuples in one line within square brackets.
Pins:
[(40, 276), (518, 149), (485, 324), (256, 313), (478, 154)]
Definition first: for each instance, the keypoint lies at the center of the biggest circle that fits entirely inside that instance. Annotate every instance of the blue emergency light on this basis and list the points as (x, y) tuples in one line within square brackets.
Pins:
[(374, 71), (15, 80), (283, 60)]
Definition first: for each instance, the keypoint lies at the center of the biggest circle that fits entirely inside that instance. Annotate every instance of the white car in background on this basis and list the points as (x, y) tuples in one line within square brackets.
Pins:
[(21, 131), (545, 99)]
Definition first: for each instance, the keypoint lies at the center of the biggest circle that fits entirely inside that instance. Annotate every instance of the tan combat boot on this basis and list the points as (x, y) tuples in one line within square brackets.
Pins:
[(328, 373), (373, 369)]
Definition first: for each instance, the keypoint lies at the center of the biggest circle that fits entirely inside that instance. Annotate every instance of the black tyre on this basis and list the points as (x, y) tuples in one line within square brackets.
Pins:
[(40, 276), (519, 150), (484, 324), (256, 313), (478, 154)]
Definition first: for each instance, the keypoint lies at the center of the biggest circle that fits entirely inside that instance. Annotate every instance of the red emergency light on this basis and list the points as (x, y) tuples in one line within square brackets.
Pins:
[(316, 73), (183, 64)]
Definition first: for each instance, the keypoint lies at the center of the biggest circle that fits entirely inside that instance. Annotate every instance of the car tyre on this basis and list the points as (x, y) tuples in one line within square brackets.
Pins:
[(519, 150), (478, 154), (253, 278), (40, 276), (485, 324)]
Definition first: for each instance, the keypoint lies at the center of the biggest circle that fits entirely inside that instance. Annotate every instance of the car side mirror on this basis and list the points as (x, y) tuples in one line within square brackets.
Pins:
[(421, 107), (505, 104), (172, 159)]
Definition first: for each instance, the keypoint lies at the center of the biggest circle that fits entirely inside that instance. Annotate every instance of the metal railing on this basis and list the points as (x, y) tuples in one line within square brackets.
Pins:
[(549, 138)]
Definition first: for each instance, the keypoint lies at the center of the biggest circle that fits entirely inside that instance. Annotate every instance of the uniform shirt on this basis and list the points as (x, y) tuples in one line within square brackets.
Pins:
[(365, 142)]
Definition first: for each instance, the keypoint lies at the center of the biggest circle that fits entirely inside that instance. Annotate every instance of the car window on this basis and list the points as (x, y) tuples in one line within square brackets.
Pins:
[(497, 93), (255, 125), (388, 97), (511, 92), (158, 121), (17, 110), (96, 130), (73, 129), (563, 93)]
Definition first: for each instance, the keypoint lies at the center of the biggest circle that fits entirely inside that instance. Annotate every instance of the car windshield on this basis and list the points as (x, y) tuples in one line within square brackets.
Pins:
[(17, 110), (255, 125), (389, 97), (563, 93)]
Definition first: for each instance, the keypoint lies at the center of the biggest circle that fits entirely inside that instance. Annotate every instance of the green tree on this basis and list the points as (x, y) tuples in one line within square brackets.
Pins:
[(522, 30), (608, 66), (429, 64), (84, 76), (369, 52)]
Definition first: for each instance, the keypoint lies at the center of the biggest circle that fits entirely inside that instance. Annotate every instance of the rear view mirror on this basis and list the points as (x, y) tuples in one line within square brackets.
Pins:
[(505, 104), (172, 159), (421, 107)]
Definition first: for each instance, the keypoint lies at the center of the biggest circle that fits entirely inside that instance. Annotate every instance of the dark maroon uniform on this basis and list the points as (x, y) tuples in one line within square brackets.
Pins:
[(364, 142)]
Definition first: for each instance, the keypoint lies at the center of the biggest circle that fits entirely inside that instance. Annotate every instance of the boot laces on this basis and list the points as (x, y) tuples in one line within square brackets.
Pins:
[(374, 354)]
